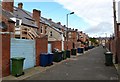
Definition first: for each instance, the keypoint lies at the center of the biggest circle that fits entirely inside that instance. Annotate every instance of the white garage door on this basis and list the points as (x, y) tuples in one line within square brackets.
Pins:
[(24, 48)]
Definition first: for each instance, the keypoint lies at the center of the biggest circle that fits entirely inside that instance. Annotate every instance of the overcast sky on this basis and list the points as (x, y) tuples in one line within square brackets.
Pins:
[(95, 16), (98, 13)]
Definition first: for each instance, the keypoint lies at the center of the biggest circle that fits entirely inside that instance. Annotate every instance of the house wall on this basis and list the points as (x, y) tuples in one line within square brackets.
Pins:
[(72, 36), (41, 47), (69, 45), (44, 29), (56, 44), (55, 35), (10, 25), (5, 49)]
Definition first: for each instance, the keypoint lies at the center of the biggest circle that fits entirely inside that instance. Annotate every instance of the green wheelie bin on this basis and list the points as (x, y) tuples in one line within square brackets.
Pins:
[(73, 51), (68, 53), (109, 59), (57, 56), (64, 55), (17, 66)]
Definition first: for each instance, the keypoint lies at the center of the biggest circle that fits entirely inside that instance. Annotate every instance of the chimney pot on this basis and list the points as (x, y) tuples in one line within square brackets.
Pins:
[(76, 29), (20, 5), (50, 19), (64, 25), (59, 23)]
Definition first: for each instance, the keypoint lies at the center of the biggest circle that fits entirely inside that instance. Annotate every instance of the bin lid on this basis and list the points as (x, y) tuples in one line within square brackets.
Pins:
[(17, 58), (108, 52), (49, 53), (44, 54)]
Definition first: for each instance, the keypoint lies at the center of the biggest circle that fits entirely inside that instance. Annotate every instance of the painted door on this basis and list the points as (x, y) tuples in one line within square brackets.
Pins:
[(49, 48), (24, 48)]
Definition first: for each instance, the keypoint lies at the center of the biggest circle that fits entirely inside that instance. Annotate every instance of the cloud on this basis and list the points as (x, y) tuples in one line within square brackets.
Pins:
[(98, 13), (100, 29)]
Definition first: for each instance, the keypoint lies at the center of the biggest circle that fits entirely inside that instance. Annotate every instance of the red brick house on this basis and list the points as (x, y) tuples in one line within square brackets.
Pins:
[(6, 24)]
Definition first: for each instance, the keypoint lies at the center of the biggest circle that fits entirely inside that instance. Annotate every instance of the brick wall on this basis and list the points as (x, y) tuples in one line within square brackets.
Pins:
[(0, 56), (73, 37), (70, 45), (41, 47), (118, 42), (56, 44), (10, 25), (118, 49), (5, 45)]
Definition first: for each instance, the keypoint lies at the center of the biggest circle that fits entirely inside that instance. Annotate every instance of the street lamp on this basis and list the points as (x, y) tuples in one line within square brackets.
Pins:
[(67, 26)]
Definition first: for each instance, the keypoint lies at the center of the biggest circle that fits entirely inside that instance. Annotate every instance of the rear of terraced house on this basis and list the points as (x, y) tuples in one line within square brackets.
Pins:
[(27, 34)]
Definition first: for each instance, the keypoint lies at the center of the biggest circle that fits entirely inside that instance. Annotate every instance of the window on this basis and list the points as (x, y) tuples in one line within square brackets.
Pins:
[(45, 30), (17, 22), (3, 25), (41, 30), (51, 33)]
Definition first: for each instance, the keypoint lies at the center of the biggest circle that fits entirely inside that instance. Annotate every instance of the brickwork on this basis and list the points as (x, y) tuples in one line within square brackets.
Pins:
[(5, 45), (70, 46), (41, 47), (56, 44), (8, 6), (10, 25), (36, 16)]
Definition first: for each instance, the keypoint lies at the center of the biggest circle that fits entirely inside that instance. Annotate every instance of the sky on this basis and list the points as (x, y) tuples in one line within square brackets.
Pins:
[(93, 17)]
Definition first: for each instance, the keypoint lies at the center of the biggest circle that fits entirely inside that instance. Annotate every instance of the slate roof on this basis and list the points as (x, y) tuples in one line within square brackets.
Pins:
[(47, 22), (52, 24), (5, 13), (26, 18)]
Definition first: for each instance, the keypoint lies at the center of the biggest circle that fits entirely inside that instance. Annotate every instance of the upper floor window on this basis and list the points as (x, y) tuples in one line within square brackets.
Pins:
[(41, 30), (51, 33), (45, 30), (3, 25), (17, 22)]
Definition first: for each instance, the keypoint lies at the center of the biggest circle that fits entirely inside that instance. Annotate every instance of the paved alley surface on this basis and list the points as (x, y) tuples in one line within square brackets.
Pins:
[(89, 66)]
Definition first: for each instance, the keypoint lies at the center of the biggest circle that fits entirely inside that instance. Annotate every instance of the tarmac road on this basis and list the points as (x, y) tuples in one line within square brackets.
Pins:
[(89, 66)]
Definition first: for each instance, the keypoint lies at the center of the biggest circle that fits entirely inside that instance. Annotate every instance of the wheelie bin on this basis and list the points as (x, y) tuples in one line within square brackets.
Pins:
[(57, 56), (50, 59), (80, 50), (68, 53), (73, 51), (64, 55), (17, 66), (44, 61), (109, 59)]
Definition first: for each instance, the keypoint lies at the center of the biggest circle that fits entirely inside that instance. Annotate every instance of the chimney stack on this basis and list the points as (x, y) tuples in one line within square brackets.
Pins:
[(81, 32), (59, 23), (64, 25), (36, 16), (20, 5), (8, 5), (50, 19), (76, 30)]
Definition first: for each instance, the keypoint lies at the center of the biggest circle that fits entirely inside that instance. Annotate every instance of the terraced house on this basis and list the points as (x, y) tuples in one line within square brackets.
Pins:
[(28, 34)]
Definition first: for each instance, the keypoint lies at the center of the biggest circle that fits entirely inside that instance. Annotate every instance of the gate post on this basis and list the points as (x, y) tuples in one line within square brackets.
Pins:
[(5, 54)]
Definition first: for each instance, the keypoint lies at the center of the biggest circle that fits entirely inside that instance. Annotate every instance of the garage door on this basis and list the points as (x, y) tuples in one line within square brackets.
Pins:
[(24, 48)]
